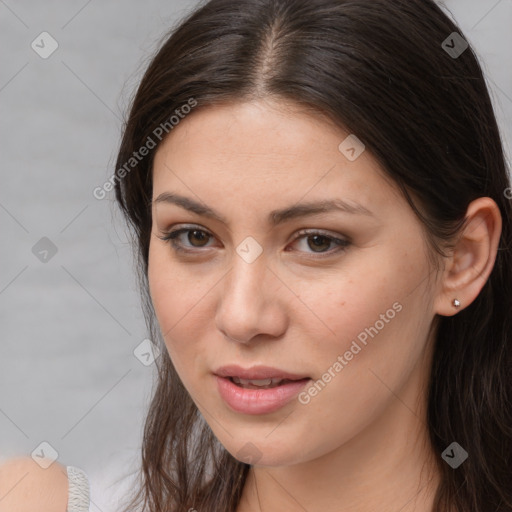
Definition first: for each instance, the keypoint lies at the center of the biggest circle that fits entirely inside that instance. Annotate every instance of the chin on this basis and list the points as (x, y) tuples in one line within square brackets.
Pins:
[(263, 452)]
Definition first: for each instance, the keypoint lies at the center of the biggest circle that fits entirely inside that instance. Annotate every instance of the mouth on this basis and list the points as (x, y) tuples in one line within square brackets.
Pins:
[(262, 383), (259, 376), (258, 390)]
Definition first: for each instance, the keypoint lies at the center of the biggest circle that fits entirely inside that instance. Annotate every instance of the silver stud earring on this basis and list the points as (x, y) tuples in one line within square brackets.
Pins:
[(456, 303)]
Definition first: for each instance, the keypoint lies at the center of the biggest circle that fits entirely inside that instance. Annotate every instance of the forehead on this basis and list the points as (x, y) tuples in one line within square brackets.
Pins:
[(263, 153)]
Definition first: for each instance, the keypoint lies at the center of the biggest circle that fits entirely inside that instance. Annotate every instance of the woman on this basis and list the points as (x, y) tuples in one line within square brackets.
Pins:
[(320, 205), (318, 193), (339, 312)]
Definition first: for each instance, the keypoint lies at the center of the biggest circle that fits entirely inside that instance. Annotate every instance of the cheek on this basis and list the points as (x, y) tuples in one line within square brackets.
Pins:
[(171, 296), (179, 294), (342, 307), (374, 325), (374, 314), (358, 366)]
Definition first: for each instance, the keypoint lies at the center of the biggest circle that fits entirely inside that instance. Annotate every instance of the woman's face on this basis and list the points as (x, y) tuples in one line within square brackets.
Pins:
[(348, 304)]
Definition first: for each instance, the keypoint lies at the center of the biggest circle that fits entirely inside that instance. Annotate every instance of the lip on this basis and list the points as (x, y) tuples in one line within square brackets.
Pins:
[(258, 401), (257, 372)]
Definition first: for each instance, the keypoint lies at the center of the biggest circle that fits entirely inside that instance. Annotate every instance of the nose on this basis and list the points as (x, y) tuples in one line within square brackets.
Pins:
[(250, 305)]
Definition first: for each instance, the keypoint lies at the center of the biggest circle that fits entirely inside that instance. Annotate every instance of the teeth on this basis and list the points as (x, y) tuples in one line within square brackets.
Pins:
[(257, 383)]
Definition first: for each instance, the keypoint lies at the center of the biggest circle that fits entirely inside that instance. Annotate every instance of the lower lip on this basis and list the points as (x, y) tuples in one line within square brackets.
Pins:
[(258, 401)]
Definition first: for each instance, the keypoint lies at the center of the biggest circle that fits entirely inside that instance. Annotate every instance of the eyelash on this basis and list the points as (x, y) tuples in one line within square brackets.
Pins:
[(171, 237)]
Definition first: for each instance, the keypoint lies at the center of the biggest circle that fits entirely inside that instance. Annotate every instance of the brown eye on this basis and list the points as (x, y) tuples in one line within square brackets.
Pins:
[(196, 238), (197, 235), (319, 242)]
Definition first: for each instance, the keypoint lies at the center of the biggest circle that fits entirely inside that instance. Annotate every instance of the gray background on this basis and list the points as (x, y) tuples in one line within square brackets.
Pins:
[(69, 326)]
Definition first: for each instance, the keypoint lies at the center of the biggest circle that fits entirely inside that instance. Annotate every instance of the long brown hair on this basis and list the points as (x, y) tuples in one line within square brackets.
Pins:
[(388, 71)]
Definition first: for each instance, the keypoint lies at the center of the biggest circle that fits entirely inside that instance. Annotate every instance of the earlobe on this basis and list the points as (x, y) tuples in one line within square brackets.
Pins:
[(472, 258)]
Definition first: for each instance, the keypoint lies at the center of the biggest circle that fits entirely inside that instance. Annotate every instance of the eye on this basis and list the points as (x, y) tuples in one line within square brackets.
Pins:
[(197, 238), (319, 242)]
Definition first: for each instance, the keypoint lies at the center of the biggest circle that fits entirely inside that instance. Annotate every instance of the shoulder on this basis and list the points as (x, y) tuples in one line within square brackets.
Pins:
[(25, 486)]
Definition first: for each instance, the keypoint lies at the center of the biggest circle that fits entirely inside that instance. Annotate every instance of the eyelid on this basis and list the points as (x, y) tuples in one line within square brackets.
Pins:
[(170, 235), (341, 241)]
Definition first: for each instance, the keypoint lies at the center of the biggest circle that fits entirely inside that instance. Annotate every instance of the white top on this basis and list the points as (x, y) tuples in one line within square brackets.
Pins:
[(79, 492)]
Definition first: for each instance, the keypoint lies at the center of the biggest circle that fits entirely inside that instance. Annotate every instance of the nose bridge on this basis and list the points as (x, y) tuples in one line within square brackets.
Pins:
[(245, 284), (246, 298)]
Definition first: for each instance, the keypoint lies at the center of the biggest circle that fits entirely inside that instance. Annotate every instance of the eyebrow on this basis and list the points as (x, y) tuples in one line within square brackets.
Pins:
[(275, 217)]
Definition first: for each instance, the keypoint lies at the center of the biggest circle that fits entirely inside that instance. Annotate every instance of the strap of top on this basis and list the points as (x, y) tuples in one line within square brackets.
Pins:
[(79, 492)]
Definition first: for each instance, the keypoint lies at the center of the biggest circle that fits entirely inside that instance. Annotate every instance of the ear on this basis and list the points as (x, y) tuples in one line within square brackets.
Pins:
[(472, 258)]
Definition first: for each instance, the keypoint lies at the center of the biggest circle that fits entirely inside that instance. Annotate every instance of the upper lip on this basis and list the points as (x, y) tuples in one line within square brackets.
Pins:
[(256, 372)]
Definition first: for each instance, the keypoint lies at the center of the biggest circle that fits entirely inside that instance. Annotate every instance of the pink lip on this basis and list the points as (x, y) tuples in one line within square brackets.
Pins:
[(257, 372), (257, 401)]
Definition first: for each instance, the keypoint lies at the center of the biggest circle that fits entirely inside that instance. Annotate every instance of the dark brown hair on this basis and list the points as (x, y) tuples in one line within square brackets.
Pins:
[(378, 69)]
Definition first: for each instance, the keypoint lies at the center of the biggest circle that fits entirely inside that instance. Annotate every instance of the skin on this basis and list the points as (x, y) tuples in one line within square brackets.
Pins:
[(361, 443), (25, 486)]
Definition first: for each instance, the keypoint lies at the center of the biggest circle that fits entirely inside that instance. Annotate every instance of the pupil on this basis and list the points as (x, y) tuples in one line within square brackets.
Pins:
[(198, 235), (318, 244)]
